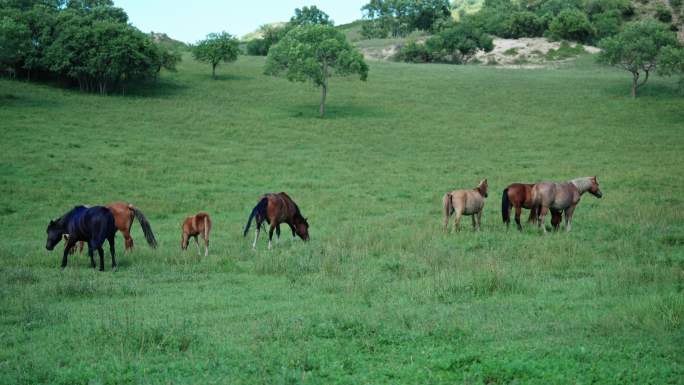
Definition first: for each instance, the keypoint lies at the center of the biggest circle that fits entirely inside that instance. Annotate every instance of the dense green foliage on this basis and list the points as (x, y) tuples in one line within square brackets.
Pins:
[(379, 295), (456, 44), (395, 18), (637, 49), (216, 48), (314, 53), (272, 34), (89, 43)]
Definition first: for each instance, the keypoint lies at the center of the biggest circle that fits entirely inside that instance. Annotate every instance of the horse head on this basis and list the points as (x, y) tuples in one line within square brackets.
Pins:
[(483, 187), (302, 228), (594, 189), (54, 234)]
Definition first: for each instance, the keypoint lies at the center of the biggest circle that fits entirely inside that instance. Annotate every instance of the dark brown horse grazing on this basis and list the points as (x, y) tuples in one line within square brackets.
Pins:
[(124, 214), (198, 224), (276, 209), (559, 197), (518, 195)]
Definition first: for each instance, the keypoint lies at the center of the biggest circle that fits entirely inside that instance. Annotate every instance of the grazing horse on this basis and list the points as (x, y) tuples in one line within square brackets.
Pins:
[(90, 224), (124, 214), (562, 197), (465, 202), (198, 224), (518, 195), (276, 209)]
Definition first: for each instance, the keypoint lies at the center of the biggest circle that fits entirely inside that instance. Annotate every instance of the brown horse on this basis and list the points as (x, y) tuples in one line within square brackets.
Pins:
[(518, 195), (562, 197), (465, 202), (198, 224), (124, 214), (276, 209)]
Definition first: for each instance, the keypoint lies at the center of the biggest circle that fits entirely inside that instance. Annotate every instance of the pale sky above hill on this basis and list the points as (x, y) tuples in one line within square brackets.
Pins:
[(190, 21)]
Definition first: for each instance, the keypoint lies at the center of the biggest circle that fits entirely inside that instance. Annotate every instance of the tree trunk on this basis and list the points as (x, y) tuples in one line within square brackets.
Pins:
[(635, 83), (213, 71), (324, 89)]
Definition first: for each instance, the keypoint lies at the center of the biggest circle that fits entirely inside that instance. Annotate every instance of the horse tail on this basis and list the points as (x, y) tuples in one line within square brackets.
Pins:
[(258, 210), (506, 207), (146, 228), (448, 205)]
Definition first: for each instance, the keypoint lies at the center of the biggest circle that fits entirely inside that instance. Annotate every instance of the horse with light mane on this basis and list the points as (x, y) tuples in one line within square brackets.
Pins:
[(276, 209), (562, 197), (193, 226), (465, 202)]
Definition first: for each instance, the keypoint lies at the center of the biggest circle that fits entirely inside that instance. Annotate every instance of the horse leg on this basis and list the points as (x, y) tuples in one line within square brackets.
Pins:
[(206, 246), (294, 233), (479, 220), (199, 250), (80, 247), (568, 217), (128, 240), (278, 233), (518, 211), (446, 222), (542, 217), (270, 235), (70, 244), (256, 235), (184, 241), (457, 220), (556, 217), (91, 251), (101, 253), (112, 252), (533, 215)]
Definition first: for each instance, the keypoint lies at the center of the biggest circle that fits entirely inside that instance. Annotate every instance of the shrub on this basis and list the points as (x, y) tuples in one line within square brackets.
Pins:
[(414, 52), (257, 47), (524, 24), (663, 13), (571, 24), (606, 24)]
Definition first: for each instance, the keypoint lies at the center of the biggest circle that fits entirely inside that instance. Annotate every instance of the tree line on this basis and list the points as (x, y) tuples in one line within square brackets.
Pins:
[(85, 43)]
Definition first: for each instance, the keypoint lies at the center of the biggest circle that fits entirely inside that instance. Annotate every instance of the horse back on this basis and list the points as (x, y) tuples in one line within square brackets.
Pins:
[(95, 223), (123, 215)]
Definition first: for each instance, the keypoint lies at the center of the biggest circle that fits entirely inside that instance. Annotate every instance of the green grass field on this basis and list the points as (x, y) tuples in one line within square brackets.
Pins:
[(380, 295)]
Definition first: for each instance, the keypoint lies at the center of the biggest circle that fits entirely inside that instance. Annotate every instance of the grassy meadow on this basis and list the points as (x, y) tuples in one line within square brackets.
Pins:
[(380, 295)]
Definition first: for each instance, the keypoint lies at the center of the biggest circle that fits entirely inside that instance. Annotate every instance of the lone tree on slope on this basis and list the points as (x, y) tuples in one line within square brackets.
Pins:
[(315, 53), (216, 48)]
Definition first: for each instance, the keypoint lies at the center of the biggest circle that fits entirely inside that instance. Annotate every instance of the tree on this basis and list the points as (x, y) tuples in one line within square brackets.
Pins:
[(637, 49), (310, 15), (15, 44), (315, 53), (672, 62), (216, 48), (571, 24)]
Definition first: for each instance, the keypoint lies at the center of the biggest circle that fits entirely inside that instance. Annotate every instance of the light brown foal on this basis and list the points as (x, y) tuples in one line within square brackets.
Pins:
[(193, 226), (562, 197), (465, 202)]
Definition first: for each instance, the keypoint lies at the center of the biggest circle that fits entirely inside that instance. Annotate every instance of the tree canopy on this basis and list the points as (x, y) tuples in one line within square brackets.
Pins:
[(315, 53), (216, 48), (86, 42), (637, 49)]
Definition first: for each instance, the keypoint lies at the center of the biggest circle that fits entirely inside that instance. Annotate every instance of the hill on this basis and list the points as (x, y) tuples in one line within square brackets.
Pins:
[(380, 294), (165, 40)]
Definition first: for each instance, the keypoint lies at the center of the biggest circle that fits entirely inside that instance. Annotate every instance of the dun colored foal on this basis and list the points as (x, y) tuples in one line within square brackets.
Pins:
[(193, 226), (465, 202)]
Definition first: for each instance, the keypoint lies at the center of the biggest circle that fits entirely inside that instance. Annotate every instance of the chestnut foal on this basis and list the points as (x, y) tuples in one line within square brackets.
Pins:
[(198, 224)]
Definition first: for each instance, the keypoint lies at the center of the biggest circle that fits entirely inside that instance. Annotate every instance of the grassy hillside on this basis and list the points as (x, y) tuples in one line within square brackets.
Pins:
[(380, 294)]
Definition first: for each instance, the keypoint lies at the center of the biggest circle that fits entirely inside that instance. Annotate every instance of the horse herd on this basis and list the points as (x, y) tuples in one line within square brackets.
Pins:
[(98, 224)]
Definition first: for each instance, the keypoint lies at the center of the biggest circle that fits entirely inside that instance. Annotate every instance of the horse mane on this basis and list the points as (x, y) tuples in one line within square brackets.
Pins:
[(583, 184)]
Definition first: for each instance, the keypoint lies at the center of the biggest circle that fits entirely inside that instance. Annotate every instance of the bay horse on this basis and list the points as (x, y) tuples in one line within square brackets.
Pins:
[(562, 197), (276, 209), (465, 202), (194, 225), (124, 214), (86, 224), (518, 195)]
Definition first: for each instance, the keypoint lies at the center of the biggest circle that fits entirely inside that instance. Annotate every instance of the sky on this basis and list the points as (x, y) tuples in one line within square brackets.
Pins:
[(190, 21)]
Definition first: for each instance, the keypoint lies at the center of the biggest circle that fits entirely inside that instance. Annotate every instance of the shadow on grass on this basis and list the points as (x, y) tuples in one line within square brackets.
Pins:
[(333, 112)]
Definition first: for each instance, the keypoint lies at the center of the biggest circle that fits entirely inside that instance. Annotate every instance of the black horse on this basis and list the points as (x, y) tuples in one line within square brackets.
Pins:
[(89, 224)]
